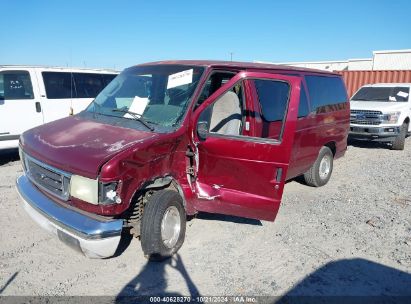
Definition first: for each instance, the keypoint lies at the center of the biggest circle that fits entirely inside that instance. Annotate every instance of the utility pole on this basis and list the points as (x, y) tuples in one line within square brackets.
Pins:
[(231, 56)]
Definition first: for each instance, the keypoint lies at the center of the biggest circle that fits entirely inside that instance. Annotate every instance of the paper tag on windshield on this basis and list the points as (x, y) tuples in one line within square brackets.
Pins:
[(402, 94), (137, 106), (180, 78), (392, 98)]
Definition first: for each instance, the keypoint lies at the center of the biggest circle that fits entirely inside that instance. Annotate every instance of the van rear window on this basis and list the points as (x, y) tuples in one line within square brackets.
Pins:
[(15, 85), (325, 90), (61, 85)]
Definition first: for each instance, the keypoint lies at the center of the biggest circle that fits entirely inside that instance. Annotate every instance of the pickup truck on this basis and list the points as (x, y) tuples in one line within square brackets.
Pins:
[(381, 112)]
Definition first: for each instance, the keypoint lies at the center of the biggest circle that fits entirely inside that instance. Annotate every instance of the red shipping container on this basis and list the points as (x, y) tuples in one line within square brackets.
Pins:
[(356, 79)]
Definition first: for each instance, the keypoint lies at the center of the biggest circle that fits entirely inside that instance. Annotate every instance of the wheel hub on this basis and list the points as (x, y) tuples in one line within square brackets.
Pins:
[(170, 227), (325, 166)]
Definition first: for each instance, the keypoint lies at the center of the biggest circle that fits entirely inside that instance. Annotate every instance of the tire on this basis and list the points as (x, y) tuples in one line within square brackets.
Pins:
[(398, 143), (158, 242), (320, 172)]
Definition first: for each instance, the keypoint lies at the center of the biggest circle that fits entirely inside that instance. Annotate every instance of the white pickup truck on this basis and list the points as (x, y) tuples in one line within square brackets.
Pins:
[(381, 112), (33, 95)]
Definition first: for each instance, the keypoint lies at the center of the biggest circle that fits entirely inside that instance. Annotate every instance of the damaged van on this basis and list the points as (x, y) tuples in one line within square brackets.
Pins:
[(166, 140)]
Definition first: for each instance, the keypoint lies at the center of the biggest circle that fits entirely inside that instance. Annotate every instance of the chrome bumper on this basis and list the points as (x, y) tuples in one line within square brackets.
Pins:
[(94, 238)]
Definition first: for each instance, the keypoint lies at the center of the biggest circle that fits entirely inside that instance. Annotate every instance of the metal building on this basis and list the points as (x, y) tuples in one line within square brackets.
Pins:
[(381, 61)]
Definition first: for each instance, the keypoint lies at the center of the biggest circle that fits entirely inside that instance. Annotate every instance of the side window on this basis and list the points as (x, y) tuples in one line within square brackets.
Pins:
[(303, 108), (88, 85), (59, 85), (273, 96), (107, 78), (225, 115), (15, 85), (214, 82), (325, 91)]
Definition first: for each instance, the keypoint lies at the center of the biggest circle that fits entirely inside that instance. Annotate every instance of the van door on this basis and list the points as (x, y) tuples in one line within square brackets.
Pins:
[(66, 93), (240, 171), (20, 108), (57, 94)]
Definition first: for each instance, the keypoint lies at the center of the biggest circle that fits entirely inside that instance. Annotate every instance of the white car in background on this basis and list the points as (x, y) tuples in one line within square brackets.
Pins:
[(381, 112), (33, 95)]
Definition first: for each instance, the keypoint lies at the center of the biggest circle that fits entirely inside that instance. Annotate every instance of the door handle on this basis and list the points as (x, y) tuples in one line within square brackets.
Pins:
[(278, 175), (277, 178), (38, 106)]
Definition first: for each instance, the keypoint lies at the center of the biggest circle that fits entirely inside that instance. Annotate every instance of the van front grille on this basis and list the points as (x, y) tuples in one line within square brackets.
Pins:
[(50, 179)]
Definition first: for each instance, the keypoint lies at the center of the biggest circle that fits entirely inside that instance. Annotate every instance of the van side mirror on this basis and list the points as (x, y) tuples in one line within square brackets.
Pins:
[(202, 130)]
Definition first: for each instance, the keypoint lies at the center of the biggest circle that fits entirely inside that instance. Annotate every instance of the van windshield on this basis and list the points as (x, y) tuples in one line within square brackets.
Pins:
[(389, 94), (158, 95)]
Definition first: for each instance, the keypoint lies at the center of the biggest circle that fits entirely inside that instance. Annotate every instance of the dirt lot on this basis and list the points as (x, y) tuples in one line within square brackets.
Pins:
[(350, 237)]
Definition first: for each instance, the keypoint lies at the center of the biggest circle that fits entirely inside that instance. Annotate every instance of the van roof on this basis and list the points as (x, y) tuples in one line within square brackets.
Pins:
[(16, 66), (238, 64)]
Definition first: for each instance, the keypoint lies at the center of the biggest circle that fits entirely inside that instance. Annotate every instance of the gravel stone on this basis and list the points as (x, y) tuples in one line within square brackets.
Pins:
[(350, 237)]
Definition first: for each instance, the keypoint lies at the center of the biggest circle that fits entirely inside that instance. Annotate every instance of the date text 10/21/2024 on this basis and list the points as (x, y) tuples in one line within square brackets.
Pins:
[(204, 299)]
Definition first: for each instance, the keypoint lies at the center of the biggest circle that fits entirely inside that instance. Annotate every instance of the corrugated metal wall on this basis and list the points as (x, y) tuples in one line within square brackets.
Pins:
[(355, 79)]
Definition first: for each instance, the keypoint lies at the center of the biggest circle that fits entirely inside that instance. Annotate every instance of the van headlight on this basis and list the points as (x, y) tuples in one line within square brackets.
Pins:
[(84, 188), (93, 191), (391, 117)]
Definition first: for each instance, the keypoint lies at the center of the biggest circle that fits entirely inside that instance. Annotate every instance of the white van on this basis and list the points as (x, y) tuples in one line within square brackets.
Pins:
[(33, 95), (381, 112)]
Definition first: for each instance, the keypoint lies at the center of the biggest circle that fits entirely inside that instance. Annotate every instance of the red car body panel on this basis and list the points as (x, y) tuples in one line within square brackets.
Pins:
[(238, 175), (80, 146), (243, 177)]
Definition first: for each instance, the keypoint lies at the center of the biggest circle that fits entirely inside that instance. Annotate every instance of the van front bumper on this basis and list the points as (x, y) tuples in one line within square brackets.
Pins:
[(93, 237), (385, 134)]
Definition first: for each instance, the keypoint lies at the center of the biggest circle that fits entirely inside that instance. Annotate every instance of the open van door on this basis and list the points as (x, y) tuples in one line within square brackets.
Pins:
[(239, 172)]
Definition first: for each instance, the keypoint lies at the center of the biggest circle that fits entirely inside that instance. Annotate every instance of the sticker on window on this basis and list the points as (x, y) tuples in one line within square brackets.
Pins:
[(137, 106), (402, 94), (180, 78)]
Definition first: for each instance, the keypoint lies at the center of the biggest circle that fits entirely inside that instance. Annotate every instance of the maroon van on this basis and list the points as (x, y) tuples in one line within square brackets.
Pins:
[(169, 139)]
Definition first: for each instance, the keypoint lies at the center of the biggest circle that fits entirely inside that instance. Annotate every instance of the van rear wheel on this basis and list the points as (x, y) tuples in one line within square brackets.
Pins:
[(163, 225), (320, 172)]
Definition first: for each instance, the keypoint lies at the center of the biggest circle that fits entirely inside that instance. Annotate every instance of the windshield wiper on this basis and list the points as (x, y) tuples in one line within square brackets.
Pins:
[(136, 116)]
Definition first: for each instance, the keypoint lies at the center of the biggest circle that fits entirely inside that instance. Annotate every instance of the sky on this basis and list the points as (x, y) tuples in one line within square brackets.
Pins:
[(121, 33)]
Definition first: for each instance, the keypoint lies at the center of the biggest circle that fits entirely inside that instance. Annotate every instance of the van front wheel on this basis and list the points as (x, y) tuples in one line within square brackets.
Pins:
[(320, 172), (399, 142), (163, 225)]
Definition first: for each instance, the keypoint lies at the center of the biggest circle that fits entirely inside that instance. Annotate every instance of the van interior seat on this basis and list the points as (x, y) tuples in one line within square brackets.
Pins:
[(226, 115)]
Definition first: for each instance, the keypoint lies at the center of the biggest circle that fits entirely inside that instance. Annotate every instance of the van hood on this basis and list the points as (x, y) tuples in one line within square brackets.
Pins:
[(80, 145), (383, 106)]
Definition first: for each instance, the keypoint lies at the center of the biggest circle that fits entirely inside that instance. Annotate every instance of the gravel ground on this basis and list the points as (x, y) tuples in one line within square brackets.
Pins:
[(350, 237)]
